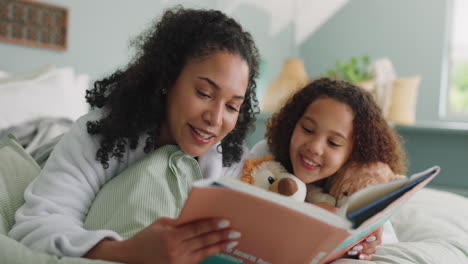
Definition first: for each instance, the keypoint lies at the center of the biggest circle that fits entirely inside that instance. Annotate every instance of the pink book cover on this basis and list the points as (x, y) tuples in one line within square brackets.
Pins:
[(273, 232)]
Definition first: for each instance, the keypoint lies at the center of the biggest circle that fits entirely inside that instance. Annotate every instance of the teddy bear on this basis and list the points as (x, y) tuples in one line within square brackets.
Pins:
[(268, 174)]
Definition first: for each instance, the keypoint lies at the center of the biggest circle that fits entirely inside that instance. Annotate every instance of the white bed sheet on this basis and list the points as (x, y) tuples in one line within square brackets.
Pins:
[(432, 228)]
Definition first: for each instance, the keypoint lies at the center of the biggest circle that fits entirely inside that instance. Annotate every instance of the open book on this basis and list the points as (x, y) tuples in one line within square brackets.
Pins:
[(278, 229)]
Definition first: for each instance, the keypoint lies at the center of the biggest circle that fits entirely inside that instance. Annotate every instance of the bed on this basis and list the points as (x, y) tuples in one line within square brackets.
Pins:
[(432, 227), (40, 105), (36, 109)]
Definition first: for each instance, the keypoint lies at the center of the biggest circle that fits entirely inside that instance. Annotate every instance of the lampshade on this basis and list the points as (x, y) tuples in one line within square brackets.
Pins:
[(293, 77), (403, 102)]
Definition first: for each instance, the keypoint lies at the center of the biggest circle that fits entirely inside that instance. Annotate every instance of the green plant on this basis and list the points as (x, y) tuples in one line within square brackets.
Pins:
[(356, 70)]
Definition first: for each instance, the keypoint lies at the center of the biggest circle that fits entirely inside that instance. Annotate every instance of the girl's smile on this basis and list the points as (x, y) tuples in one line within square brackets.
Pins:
[(309, 164)]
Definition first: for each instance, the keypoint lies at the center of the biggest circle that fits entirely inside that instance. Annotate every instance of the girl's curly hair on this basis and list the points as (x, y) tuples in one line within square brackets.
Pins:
[(134, 99), (374, 139)]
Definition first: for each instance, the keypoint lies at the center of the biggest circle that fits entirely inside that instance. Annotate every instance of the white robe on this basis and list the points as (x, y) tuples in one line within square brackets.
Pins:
[(58, 200)]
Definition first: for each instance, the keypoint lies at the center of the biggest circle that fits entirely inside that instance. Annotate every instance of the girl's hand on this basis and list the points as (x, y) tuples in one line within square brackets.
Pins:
[(368, 246), (165, 242)]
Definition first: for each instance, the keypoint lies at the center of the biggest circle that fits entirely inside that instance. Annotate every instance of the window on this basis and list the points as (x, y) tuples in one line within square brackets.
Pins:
[(458, 63)]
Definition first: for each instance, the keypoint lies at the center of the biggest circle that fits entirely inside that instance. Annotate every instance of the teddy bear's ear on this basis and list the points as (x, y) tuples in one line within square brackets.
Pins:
[(250, 165), (247, 173)]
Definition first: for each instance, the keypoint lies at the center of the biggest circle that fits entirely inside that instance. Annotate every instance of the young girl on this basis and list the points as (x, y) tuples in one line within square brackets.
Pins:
[(331, 124)]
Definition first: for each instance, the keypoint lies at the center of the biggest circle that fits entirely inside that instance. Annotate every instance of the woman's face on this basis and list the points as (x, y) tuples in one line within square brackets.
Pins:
[(204, 103), (322, 140)]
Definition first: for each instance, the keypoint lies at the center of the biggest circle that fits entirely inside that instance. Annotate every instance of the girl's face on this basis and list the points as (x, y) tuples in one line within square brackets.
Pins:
[(322, 140), (204, 103)]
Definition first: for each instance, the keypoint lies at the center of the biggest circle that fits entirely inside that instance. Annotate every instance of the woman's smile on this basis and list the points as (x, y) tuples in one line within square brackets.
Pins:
[(202, 136)]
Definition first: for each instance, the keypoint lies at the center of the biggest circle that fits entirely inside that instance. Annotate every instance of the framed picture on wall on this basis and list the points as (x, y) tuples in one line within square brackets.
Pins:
[(33, 23)]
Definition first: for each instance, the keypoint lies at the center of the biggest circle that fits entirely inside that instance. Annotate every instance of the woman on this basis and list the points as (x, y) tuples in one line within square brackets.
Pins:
[(191, 84)]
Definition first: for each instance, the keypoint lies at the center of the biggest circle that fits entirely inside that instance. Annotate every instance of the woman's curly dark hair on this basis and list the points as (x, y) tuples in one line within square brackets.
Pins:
[(374, 139), (134, 95)]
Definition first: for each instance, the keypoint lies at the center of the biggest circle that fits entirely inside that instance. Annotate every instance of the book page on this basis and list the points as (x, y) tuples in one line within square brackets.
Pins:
[(365, 196), (372, 194)]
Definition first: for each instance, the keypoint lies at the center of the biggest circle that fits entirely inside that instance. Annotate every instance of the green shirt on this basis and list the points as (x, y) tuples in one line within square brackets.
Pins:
[(152, 187)]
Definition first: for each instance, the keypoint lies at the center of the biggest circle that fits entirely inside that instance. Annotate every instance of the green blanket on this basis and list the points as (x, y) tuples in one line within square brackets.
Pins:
[(17, 170)]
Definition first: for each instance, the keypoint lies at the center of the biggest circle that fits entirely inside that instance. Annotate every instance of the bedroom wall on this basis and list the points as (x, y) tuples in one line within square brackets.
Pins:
[(100, 33), (411, 34)]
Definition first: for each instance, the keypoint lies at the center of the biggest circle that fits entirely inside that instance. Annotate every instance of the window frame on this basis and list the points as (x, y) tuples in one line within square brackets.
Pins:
[(447, 66)]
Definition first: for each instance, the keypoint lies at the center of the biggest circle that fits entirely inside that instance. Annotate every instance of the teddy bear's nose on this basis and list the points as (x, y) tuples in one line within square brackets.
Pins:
[(287, 186)]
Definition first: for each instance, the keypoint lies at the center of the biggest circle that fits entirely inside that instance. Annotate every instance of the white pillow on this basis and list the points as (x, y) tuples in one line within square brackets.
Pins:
[(3, 74), (56, 92), (77, 95), (6, 77)]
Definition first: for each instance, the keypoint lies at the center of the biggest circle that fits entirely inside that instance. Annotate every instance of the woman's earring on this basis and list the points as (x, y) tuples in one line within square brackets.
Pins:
[(164, 91)]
